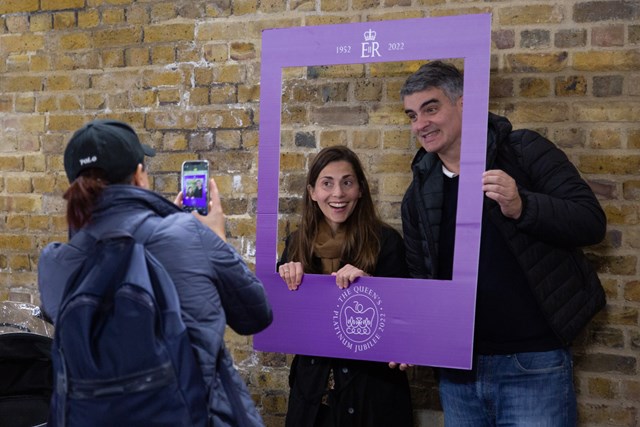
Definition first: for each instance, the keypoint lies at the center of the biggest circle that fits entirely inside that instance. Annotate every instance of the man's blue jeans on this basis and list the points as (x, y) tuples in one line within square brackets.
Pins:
[(522, 389)]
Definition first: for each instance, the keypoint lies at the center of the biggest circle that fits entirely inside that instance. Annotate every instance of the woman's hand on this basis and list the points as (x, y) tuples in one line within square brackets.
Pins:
[(291, 273), (215, 218), (347, 275)]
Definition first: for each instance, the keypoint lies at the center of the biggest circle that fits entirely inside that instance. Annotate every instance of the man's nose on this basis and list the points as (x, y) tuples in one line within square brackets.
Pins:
[(420, 122)]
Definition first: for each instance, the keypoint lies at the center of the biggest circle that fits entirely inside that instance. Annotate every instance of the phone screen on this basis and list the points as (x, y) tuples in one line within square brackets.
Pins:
[(195, 177)]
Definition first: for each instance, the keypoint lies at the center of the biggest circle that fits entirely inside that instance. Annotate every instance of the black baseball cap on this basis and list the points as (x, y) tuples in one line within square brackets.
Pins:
[(110, 145)]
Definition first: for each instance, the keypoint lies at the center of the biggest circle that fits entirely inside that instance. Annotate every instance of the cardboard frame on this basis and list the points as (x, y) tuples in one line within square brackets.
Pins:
[(422, 322)]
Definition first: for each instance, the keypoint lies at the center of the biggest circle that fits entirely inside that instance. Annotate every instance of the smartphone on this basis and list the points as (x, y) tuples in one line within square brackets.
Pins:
[(195, 186)]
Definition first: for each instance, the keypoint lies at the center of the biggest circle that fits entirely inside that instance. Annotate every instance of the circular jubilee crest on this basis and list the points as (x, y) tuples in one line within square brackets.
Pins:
[(358, 319)]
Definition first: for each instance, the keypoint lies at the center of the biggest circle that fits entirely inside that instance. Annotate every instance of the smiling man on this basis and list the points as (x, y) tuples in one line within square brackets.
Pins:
[(436, 121), (536, 290)]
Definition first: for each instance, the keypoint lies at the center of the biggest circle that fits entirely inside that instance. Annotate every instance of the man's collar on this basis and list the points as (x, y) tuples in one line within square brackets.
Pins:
[(447, 172)]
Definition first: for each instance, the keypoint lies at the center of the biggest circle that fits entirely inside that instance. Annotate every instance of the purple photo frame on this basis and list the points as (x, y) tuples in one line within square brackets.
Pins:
[(421, 322)]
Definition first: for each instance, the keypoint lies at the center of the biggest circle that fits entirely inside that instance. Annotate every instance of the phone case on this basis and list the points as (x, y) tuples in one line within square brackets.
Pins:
[(194, 180)]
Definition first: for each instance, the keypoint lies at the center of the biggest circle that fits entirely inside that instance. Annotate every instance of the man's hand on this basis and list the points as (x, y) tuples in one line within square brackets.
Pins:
[(401, 366), (499, 186)]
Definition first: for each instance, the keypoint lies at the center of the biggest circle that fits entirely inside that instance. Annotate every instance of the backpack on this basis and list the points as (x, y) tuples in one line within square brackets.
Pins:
[(121, 354)]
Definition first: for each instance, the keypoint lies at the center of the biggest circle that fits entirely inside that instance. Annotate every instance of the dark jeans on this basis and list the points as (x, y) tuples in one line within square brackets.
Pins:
[(523, 389)]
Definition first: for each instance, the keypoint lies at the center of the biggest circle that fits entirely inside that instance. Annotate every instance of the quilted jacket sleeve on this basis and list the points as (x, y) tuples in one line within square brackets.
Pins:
[(213, 281), (559, 206), (242, 295)]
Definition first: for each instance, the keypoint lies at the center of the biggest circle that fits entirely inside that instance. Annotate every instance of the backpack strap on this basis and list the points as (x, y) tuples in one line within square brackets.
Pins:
[(136, 227), (86, 241), (144, 229)]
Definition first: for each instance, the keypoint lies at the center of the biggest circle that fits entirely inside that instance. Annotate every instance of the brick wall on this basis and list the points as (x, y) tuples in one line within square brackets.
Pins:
[(186, 75)]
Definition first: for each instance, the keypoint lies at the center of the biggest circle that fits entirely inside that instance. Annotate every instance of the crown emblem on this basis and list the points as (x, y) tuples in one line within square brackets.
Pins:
[(358, 319), (369, 35)]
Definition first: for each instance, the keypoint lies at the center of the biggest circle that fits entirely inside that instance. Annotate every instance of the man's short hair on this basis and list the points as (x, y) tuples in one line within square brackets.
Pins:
[(435, 74)]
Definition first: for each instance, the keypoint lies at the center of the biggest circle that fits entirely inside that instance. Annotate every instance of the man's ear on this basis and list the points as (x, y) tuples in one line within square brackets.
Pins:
[(140, 177)]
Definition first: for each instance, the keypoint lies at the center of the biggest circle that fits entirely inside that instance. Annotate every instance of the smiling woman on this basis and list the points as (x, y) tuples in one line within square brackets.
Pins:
[(337, 205), (336, 191), (340, 234)]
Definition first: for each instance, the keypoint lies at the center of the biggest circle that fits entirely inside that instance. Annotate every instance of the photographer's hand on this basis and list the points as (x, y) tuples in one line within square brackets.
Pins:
[(215, 219)]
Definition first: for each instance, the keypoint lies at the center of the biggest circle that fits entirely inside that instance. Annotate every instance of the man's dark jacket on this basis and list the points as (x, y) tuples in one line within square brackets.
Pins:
[(560, 214)]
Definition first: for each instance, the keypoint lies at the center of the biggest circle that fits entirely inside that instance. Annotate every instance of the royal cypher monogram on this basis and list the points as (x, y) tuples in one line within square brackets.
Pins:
[(370, 47), (359, 320)]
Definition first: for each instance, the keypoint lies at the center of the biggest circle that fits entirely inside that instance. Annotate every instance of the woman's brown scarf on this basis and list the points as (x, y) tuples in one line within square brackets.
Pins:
[(328, 247)]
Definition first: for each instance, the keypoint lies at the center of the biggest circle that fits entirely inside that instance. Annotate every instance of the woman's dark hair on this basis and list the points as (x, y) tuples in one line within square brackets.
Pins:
[(83, 194), (362, 228)]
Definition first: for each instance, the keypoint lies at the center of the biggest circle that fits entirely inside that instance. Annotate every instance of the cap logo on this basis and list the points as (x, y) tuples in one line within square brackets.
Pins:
[(88, 160)]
